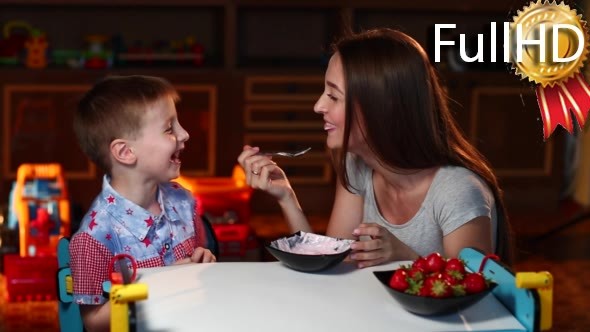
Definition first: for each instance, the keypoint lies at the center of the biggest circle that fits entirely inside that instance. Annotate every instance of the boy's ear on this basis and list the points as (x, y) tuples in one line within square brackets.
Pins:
[(122, 152)]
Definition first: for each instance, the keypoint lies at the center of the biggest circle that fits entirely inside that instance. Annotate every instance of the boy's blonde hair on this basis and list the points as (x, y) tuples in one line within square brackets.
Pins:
[(114, 108)]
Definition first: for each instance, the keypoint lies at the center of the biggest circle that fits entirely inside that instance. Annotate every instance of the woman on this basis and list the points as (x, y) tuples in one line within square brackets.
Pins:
[(409, 183)]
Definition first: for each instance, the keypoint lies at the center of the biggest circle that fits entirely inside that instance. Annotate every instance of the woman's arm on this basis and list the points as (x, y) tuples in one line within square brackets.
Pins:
[(264, 174), (464, 205), (380, 246), (383, 246), (347, 213), (475, 233), (293, 213)]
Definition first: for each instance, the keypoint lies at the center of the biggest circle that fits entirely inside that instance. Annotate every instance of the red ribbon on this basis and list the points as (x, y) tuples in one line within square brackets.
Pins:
[(557, 102)]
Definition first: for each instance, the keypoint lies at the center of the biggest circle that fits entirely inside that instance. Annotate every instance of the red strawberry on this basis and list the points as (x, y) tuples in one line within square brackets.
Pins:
[(455, 264), (474, 283), (427, 286), (452, 277), (424, 291), (416, 274), (415, 286), (435, 262), (399, 280), (442, 289), (420, 263), (458, 290), (438, 287)]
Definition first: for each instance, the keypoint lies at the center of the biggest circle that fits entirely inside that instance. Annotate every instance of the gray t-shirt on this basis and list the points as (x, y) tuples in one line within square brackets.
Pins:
[(455, 197)]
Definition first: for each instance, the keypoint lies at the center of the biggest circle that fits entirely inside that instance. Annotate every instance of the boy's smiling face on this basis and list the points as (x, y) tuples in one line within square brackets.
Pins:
[(160, 142)]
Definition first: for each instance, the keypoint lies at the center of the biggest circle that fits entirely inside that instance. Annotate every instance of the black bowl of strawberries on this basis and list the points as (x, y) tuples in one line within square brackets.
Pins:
[(433, 285)]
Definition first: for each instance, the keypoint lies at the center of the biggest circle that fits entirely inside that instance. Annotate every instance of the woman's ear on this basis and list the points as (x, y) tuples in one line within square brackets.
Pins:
[(122, 152)]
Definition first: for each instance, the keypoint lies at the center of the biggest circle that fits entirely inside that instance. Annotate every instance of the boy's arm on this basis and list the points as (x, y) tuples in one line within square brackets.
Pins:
[(96, 317), (89, 263), (200, 231), (200, 253)]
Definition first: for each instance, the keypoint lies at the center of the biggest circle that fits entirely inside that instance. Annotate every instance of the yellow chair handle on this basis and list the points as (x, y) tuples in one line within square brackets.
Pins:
[(543, 282)]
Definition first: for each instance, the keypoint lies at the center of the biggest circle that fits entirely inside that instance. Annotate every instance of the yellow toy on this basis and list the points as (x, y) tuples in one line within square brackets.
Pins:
[(123, 294), (543, 282), (120, 297)]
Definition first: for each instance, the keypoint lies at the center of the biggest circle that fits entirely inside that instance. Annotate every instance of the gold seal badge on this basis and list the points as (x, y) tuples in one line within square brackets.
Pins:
[(548, 46), (531, 19)]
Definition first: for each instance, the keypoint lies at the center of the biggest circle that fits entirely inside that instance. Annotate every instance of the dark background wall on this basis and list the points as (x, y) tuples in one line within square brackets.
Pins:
[(262, 72)]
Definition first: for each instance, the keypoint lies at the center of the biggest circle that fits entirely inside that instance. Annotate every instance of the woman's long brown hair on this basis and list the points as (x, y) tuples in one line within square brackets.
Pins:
[(394, 91)]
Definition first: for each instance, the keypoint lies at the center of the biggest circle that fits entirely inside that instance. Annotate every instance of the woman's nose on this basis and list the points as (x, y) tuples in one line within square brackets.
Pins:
[(318, 107)]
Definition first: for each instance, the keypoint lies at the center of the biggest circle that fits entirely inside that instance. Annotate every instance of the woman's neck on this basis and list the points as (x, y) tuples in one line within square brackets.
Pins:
[(402, 180), (400, 194)]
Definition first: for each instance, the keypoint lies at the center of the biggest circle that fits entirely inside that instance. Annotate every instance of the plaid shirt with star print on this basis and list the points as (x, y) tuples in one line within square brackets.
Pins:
[(115, 225)]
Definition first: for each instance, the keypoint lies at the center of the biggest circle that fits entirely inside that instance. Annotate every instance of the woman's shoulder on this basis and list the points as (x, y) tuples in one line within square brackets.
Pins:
[(458, 176), (452, 182)]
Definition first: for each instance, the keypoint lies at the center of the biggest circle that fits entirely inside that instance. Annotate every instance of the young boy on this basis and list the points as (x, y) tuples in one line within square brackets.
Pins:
[(128, 126)]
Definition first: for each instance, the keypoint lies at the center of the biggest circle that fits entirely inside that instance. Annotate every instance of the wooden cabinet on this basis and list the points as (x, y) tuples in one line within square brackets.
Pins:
[(501, 117), (38, 108), (37, 129), (262, 70), (279, 117)]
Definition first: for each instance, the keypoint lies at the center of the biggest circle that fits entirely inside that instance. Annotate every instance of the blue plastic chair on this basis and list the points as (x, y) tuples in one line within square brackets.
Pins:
[(212, 242), (523, 303), (69, 312)]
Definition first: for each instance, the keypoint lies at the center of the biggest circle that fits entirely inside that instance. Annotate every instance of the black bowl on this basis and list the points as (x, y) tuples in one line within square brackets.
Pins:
[(429, 305), (307, 263)]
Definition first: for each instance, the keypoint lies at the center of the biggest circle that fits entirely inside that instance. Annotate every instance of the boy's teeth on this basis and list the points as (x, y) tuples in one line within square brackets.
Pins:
[(176, 157)]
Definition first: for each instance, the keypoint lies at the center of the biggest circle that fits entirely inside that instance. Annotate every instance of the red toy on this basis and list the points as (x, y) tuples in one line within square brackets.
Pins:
[(225, 201), (30, 275), (40, 229)]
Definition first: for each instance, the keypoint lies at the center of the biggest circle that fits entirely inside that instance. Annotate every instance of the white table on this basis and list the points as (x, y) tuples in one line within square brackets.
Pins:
[(271, 297)]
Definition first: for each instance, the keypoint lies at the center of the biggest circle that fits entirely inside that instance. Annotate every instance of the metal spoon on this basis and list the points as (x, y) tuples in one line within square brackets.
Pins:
[(289, 154)]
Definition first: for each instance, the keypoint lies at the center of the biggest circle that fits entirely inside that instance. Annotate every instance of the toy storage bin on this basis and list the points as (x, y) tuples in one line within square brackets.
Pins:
[(237, 242), (30, 278)]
